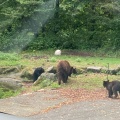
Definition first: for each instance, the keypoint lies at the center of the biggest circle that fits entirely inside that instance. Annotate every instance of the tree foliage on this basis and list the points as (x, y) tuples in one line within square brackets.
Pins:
[(42, 24)]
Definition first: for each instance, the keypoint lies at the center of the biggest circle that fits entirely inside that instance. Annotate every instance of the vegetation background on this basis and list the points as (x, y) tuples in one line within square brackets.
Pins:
[(42, 25), (63, 24)]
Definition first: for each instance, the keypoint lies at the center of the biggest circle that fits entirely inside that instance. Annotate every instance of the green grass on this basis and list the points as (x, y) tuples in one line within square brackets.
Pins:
[(46, 84), (42, 58), (9, 59), (5, 93), (47, 59), (9, 56), (52, 59), (88, 80)]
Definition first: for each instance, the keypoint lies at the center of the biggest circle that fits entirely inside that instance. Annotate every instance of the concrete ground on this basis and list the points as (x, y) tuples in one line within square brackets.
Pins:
[(31, 103), (57, 105), (85, 110)]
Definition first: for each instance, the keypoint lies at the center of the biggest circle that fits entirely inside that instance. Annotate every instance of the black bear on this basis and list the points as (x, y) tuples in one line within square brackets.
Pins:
[(63, 71), (37, 72), (112, 87)]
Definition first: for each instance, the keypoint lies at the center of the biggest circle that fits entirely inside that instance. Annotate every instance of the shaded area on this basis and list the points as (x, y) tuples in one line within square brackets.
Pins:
[(4, 116)]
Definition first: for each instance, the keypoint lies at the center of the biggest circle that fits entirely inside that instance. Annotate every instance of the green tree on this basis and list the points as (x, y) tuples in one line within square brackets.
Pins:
[(42, 24)]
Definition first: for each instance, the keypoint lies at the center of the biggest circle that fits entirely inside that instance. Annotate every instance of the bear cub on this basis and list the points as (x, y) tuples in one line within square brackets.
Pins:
[(113, 88), (37, 72)]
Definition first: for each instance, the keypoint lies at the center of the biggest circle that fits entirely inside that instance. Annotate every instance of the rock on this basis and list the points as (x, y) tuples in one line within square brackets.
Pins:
[(110, 71), (27, 74), (7, 70), (94, 69), (50, 76), (58, 52), (51, 70), (118, 73), (2, 69), (45, 76), (104, 70), (10, 83)]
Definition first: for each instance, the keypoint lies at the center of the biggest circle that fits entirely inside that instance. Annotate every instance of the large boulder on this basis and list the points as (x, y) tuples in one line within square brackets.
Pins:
[(110, 71), (50, 76), (46, 76), (27, 74), (51, 69), (10, 69), (10, 83), (94, 69)]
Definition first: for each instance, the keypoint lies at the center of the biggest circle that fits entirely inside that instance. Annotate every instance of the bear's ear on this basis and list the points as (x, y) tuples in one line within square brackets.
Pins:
[(104, 82)]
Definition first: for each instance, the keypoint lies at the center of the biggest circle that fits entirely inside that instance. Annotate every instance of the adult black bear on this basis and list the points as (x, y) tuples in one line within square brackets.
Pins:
[(112, 87), (63, 71), (37, 72)]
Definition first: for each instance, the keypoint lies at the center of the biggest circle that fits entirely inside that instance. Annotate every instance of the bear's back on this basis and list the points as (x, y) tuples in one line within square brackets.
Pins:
[(64, 66), (116, 85)]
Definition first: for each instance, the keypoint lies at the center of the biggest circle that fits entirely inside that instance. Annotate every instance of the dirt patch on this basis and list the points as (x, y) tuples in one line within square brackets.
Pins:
[(83, 94), (77, 95)]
